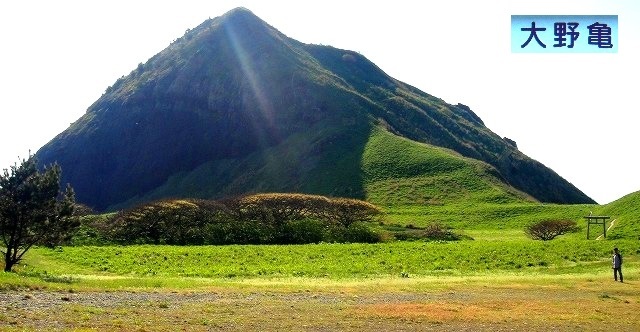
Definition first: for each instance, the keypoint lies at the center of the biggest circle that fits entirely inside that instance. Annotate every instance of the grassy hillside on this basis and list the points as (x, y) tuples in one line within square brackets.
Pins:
[(398, 171), (386, 169), (626, 213)]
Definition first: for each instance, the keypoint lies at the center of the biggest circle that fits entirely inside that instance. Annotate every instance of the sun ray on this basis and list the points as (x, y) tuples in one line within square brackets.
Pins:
[(264, 124)]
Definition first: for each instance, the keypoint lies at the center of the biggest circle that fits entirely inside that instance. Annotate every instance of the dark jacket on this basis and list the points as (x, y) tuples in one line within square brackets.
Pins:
[(616, 261)]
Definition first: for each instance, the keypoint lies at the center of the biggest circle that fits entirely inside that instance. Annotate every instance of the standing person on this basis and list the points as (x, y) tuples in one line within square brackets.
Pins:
[(616, 262)]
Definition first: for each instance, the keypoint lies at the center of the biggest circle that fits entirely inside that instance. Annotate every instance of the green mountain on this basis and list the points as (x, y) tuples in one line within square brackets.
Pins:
[(235, 106)]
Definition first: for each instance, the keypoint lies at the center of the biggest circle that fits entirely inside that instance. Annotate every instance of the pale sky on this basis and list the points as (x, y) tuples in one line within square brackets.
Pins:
[(575, 113)]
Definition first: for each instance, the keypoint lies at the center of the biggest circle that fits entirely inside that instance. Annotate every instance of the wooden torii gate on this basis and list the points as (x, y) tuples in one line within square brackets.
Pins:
[(597, 220)]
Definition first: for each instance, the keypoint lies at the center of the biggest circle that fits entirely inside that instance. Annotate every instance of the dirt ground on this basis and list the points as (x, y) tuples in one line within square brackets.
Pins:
[(474, 309)]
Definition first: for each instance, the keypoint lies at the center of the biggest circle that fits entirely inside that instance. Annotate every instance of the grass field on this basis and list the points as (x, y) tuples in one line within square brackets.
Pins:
[(333, 261)]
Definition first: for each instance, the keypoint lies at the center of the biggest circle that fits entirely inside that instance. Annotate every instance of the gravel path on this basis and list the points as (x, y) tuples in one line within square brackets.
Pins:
[(36, 301), (251, 311)]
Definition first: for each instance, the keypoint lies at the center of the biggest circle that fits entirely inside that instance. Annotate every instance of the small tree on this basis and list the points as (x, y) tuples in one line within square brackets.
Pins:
[(549, 229), (33, 210)]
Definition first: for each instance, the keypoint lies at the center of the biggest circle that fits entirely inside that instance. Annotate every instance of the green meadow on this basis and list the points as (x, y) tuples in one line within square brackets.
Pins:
[(495, 243), (333, 261)]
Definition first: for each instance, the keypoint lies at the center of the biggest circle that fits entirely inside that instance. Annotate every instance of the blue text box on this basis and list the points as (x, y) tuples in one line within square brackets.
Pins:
[(585, 33)]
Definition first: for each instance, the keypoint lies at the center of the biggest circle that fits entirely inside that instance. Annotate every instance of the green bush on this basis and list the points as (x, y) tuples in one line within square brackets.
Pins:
[(432, 232), (254, 219), (360, 232), (92, 231), (438, 232), (304, 231)]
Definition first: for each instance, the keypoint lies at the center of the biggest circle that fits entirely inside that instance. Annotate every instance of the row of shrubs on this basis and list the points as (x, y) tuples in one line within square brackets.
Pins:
[(268, 219), (253, 219)]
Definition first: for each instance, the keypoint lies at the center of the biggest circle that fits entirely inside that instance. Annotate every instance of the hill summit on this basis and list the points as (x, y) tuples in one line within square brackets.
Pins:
[(235, 106)]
